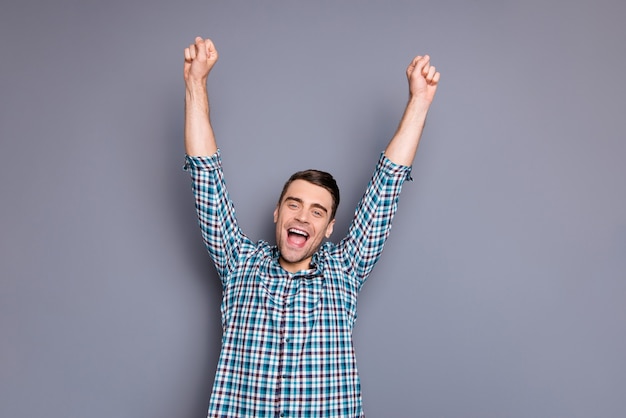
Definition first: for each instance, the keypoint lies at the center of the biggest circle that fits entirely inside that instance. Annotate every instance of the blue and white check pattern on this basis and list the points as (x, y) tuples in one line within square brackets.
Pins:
[(287, 338)]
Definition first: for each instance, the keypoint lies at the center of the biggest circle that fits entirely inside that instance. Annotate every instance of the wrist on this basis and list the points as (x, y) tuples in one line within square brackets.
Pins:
[(418, 103), (196, 84), (417, 108), (195, 90)]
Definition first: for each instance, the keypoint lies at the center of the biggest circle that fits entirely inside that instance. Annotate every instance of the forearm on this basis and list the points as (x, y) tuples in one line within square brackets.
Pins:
[(199, 136), (423, 79), (403, 146)]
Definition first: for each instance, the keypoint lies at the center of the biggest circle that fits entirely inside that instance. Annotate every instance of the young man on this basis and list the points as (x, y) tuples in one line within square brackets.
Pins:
[(288, 310)]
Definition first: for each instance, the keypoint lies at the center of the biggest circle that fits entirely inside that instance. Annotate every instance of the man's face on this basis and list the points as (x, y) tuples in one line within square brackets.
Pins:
[(303, 220)]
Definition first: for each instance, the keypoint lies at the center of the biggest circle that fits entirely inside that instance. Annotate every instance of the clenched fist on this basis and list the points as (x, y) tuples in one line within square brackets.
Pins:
[(200, 57), (423, 78)]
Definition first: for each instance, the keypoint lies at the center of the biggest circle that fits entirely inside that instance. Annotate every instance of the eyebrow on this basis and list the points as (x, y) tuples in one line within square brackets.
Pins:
[(315, 205)]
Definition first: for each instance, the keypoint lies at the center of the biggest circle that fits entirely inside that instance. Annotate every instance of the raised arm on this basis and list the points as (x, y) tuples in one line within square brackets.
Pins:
[(423, 79), (199, 60)]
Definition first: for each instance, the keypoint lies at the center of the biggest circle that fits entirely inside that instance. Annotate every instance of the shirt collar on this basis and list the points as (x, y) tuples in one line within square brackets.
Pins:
[(317, 261)]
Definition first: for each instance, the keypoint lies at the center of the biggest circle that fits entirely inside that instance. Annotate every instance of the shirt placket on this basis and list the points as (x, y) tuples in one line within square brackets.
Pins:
[(285, 336)]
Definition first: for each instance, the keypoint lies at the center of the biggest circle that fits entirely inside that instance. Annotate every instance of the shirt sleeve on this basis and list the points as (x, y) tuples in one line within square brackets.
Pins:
[(369, 229), (216, 214)]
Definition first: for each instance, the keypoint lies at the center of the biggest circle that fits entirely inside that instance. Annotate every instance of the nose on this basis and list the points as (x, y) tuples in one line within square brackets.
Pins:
[(302, 216)]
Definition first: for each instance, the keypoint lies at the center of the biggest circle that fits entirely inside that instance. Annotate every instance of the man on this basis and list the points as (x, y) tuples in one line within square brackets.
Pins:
[(288, 310)]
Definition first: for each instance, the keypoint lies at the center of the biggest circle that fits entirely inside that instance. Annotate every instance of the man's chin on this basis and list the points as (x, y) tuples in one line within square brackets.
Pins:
[(292, 258)]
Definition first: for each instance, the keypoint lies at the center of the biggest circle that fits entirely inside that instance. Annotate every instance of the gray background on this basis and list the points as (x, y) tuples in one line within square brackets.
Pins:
[(501, 291)]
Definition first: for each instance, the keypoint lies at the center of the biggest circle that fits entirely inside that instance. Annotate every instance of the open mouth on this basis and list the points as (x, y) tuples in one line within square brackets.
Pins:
[(297, 236)]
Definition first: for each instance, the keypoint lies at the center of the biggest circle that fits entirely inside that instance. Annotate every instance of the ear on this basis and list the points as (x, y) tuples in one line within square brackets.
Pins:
[(329, 228), (276, 214)]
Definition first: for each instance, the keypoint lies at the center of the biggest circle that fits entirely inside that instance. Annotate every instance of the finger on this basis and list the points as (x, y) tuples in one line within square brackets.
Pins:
[(419, 62), (187, 55), (425, 65), (436, 79), (411, 67), (210, 49), (201, 48), (192, 51), (431, 73), (415, 60)]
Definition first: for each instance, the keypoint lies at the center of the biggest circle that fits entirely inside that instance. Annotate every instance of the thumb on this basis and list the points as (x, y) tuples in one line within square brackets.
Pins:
[(201, 49), (211, 52)]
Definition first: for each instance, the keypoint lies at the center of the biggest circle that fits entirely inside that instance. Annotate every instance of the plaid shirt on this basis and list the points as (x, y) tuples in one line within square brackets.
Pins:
[(287, 337)]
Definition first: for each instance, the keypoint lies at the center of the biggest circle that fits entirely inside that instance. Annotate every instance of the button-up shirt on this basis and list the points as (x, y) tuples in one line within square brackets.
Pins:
[(287, 337)]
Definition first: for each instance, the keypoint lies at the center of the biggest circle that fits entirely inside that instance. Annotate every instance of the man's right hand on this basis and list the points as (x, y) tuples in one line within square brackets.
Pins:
[(200, 57)]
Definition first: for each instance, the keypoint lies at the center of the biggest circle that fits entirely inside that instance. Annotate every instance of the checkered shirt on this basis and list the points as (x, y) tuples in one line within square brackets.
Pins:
[(287, 337)]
